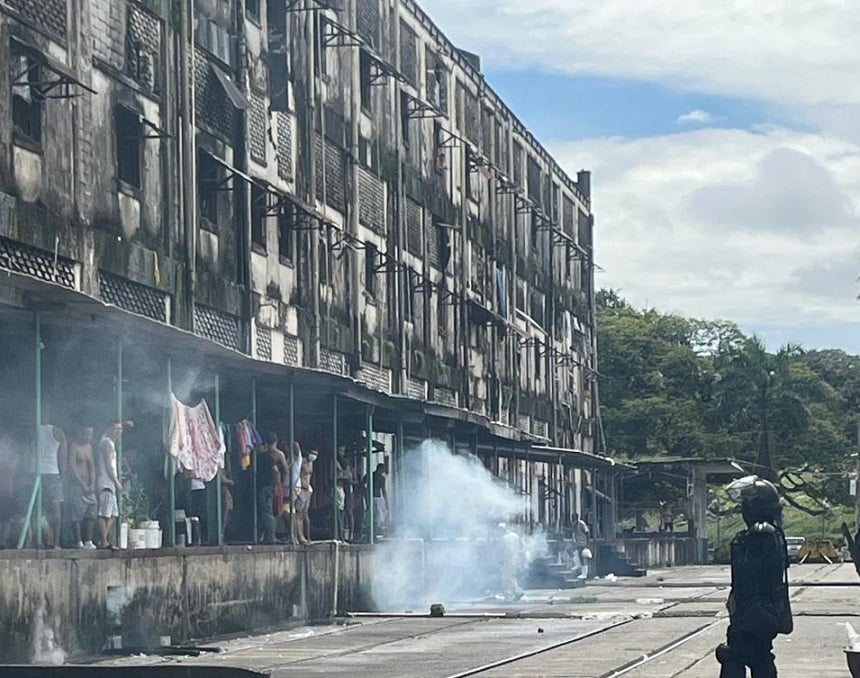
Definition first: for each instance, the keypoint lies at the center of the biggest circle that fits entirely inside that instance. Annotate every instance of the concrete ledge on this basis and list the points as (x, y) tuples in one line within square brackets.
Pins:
[(75, 600)]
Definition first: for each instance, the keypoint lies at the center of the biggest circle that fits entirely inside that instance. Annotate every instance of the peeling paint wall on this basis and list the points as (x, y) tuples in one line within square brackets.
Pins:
[(359, 199), (85, 599)]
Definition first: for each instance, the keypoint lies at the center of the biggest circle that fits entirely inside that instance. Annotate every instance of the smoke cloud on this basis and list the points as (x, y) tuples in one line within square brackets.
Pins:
[(46, 649), (445, 546)]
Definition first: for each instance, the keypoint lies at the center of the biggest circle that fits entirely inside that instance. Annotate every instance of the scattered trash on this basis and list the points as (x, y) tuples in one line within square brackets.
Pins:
[(650, 601), (611, 577), (540, 630)]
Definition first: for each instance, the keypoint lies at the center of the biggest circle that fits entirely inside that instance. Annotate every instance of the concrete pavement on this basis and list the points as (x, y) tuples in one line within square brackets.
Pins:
[(664, 625)]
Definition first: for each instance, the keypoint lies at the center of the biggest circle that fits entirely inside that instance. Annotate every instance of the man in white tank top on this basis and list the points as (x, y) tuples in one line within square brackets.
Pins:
[(108, 484), (52, 462)]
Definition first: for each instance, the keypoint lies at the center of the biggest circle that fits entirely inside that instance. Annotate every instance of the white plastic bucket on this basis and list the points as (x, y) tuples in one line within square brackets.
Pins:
[(153, 538), (123, 535), (137, 539)]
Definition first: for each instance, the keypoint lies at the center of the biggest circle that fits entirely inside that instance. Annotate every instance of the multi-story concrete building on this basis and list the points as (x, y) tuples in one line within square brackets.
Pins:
[(320, 186)]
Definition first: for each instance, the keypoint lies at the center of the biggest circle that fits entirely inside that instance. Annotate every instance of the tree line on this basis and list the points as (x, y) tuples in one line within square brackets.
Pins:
[(679, 387)]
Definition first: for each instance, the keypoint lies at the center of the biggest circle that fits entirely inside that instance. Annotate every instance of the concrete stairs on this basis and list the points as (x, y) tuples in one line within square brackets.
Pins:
[(548, 572), (612, 561)]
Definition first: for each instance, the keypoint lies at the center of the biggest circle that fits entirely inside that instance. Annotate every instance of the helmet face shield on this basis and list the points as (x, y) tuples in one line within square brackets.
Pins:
[(759, 500), (737, 487)]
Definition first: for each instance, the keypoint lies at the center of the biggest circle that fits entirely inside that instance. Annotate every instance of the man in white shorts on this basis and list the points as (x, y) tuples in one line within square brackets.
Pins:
[(108, 483)]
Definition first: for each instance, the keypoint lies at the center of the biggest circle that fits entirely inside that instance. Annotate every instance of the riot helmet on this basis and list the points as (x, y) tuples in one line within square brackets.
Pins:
[(759, 500)]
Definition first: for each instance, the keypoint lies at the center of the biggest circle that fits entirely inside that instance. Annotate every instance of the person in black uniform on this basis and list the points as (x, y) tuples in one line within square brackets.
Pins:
[(758, 604)]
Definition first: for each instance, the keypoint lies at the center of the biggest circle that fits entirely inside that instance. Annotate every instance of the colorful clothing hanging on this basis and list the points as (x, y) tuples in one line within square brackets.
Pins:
[(249, 439), (193, 441)]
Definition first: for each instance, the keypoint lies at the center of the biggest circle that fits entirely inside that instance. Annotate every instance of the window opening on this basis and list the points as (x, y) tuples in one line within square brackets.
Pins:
[(27, 98), (129, 135), (370, 258), (259, 212), (320, 62), (404, 117), (366, 80), (287, 231), (207, 189)]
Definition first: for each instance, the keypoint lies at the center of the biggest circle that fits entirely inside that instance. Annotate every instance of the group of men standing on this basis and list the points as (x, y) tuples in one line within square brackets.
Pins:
[(284, 487), (283, 484), (79, 483)]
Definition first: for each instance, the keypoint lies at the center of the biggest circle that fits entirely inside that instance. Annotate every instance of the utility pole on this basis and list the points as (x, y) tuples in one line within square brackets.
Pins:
[(857, 480)]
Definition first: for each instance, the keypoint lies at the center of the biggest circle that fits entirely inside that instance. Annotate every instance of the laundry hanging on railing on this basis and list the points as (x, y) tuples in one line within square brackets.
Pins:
[(193, 440), (249, 439)]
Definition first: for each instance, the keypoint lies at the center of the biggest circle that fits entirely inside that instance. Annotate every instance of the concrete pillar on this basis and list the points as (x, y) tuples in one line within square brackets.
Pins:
[(700, 513)]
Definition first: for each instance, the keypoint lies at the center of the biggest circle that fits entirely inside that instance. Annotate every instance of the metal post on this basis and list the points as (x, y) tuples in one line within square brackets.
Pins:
[(857, 481), (291, 486), (219, 517), (35, 503), (119, 417), (38, 439), (399, 459), (254, 460), (336, 516), (171, 470), (368, 474)]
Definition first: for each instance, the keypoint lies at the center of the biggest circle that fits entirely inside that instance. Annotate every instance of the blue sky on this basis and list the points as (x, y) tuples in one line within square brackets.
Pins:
[(723, 139), (557, 106)]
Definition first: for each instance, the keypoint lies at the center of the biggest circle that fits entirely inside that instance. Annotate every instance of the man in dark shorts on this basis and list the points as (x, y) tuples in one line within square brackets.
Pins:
[(81, 502)]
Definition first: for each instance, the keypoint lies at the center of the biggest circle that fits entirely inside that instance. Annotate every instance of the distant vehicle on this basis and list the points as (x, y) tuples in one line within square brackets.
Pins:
[(794, 545)]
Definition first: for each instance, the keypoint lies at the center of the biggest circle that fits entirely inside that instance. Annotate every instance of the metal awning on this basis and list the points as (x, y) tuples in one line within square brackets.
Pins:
[(234, 94), (586, 460), (66, 77)]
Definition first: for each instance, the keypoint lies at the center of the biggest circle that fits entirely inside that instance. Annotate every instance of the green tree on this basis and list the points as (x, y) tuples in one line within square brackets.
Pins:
[(759, 393)]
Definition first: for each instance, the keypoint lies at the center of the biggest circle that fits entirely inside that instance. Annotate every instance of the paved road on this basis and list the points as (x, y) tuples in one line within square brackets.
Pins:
[(662, 626)]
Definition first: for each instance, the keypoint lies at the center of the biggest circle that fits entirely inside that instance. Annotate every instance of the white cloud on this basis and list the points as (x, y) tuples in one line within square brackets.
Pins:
[(800, 52), (698, 117), (755, 227)]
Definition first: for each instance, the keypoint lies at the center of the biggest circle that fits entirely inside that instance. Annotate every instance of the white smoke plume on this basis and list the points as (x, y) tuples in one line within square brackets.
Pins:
[(444, 542), (46, 649)]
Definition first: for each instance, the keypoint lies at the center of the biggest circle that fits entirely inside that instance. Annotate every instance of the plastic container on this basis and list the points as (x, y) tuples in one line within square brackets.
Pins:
[(137, 538), (153, 538), (123, 535)]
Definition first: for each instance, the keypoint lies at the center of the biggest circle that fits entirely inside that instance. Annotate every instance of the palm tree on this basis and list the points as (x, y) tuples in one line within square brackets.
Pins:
[(757, 393)]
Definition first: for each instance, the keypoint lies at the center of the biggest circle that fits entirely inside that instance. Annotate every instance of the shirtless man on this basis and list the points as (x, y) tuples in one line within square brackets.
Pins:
[(272, 468), (81, 502), (107, 482), (302, 523)]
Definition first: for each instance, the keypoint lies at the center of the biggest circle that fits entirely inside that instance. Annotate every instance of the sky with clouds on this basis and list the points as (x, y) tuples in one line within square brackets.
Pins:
[(724, 141)]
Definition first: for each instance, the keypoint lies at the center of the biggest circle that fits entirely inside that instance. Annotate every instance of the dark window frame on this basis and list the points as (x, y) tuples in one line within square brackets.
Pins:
[(287, 233), (208, 189), (27, 115), (320, 58), (259, 218), (128, 134), (365, 67), (371, 257), (405, 119)]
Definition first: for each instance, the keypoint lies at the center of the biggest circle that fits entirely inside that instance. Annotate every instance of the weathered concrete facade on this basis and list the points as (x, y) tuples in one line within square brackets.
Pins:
[(351, 196), (84, 598)]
